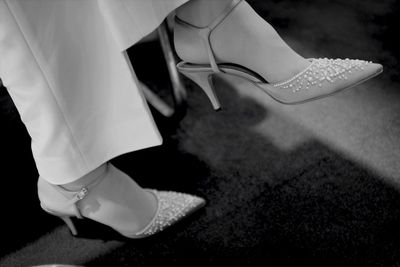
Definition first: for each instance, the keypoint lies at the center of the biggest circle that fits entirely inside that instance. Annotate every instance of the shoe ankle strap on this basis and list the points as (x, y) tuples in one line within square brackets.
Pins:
[(75, 196), (205, 32)]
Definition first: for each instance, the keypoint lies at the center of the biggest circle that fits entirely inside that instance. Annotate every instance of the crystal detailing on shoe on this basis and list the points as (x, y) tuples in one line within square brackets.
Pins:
[(172, 206), (323, 70)]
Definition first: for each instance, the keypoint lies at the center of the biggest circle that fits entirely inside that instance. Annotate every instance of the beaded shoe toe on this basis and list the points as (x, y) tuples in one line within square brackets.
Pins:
[(323, 77), (172, 207)]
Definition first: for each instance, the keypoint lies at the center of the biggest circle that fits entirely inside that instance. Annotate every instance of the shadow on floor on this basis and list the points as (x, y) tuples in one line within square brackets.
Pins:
[(265, 206)]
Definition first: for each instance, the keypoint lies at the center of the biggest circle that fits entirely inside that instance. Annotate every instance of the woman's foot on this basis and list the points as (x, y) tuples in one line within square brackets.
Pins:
[(109, 196), (242, 38), (118, 201), (239, 36)]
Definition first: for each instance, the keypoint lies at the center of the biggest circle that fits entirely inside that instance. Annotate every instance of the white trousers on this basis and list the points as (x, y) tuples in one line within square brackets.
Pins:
[(63, 64)]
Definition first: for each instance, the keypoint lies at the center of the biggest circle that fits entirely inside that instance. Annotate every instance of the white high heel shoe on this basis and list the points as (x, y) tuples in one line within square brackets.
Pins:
[(172, 206), (323, 77)]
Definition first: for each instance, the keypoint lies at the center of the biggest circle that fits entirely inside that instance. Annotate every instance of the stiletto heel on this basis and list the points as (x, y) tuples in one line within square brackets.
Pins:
[(321, 78), (68, 221), (65, 217), (205, 81)]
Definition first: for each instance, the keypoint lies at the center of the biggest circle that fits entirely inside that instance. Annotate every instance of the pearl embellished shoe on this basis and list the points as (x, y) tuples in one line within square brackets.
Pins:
[(322, 77), (171, 206)]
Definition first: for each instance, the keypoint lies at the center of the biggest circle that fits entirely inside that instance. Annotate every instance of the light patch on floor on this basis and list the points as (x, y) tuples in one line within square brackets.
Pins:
[(362, 123)]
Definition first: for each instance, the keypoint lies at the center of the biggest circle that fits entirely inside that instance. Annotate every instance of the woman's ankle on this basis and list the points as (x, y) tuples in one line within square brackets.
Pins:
[(201, 12), (243, 38), (87, 179)]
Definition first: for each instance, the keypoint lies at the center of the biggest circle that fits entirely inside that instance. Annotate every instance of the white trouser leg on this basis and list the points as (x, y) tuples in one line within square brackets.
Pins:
[(72, 86)]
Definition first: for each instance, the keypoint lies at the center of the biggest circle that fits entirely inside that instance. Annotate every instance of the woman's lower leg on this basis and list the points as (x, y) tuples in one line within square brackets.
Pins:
[(201, 12), (243, 38)]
